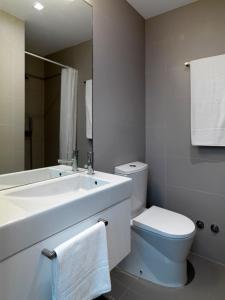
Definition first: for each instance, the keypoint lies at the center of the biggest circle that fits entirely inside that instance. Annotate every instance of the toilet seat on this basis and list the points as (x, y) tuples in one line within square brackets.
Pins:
[(165, 222)]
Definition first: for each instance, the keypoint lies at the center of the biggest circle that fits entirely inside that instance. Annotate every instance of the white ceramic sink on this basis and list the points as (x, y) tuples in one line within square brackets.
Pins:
[(32, 213), (38, 197), (27, 177)]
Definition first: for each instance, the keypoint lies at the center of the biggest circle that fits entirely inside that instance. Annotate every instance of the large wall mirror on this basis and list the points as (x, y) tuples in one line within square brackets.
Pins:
[(45, 85)]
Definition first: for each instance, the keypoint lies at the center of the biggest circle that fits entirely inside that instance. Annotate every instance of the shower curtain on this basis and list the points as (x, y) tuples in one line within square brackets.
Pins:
[(68, 112)]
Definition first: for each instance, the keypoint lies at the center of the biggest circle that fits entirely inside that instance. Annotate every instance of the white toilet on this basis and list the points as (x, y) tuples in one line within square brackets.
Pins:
[(160, 239)]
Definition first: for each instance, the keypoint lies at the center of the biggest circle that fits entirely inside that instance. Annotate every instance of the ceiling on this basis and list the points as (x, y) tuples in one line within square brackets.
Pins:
[(61, 24), (151, 8)]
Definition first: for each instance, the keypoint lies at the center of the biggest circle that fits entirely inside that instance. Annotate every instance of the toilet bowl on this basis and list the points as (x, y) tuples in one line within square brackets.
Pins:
[(160, 239)]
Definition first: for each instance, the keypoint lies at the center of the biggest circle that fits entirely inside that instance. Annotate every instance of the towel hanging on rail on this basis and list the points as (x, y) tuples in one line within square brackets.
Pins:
[(80, 270), (208, 101), (88, 103), (52, 254)]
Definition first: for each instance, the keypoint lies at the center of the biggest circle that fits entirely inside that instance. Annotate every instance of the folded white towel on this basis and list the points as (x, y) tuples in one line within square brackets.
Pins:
[(81, 269), (88, 100), (208, 101)]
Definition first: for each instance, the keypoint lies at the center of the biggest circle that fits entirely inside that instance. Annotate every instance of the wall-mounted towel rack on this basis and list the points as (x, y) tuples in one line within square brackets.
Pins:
[(52, 254)]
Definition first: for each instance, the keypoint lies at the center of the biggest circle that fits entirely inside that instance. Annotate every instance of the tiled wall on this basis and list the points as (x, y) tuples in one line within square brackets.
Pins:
[(11, 93), (119, 84), (187, 179)]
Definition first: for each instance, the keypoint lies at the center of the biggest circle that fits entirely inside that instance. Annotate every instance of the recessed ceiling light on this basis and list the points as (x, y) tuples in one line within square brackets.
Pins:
[(38, 6)]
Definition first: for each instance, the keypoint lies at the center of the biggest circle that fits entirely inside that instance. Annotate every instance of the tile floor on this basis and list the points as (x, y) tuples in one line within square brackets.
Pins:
[(208, 284)]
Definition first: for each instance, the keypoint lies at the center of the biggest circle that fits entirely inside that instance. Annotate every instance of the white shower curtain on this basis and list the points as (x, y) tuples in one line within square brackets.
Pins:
[(68, 112)]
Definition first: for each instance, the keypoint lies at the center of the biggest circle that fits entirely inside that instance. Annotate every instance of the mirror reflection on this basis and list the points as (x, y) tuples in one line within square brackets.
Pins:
[(45, 89)]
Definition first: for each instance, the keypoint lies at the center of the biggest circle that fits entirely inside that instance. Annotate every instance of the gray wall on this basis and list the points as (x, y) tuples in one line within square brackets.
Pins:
[(187, 179), (34, 112), (12, 96), (119, 84)]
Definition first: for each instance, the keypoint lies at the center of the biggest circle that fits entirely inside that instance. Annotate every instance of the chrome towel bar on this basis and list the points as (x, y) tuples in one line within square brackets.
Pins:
[(52, 254)]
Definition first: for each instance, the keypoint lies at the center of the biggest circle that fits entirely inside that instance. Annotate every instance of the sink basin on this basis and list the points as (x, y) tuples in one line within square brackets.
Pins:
[(34, 212), (51, 193), (27, 177)]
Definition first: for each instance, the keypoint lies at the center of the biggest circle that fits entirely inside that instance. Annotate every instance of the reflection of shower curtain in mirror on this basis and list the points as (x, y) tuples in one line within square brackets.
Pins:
[(68, 111)]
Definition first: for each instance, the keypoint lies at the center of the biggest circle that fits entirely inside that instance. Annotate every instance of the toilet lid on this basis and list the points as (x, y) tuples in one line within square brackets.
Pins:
[(131, 168), (165, 222)]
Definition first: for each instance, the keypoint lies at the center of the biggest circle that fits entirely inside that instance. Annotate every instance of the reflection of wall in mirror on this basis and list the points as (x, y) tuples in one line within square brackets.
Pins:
[(29, 123), (43, 86), (11, 93), (34, 113)]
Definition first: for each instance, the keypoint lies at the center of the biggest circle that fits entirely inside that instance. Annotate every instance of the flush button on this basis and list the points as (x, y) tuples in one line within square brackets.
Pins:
[(133, 166)]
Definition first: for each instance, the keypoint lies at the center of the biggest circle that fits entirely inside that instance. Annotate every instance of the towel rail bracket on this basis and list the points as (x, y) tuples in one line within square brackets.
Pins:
[(49, 254), (104, 221), (52, 254)]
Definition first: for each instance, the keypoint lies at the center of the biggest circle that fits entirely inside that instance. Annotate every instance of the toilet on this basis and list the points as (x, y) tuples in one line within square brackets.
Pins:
[(160, 239)]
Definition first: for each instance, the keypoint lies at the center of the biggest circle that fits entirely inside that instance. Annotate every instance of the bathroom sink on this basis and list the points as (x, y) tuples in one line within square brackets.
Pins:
[(34, 197), (34, 212), (27, 177)]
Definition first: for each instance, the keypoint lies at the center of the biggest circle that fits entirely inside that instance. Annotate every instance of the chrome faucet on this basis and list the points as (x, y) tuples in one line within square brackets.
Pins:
[(73, 162), (90, 156)]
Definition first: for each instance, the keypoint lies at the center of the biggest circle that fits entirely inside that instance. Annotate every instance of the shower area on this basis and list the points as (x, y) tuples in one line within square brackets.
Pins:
[(45, 93), (58, 106)]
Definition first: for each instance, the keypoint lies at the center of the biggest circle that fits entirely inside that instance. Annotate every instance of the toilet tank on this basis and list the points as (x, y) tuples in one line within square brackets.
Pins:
[(138, 171)]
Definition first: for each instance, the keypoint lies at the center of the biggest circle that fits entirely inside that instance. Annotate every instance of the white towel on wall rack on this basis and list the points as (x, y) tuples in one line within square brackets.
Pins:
[(81, 269), (88, 101), (208, 101)]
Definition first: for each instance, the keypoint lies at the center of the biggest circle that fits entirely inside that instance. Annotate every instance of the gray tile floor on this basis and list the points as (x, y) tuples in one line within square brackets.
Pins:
[(208, 284)]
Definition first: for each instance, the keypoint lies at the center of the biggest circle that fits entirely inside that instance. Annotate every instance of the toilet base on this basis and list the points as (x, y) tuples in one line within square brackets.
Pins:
[(146, 262)]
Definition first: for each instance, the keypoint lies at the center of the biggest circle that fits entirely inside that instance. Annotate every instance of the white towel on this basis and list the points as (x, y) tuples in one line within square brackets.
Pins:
[(88, 100), (208, 101), (81, 269)]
